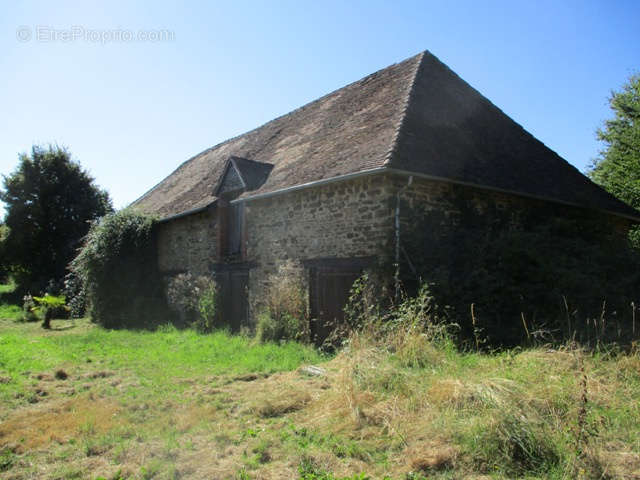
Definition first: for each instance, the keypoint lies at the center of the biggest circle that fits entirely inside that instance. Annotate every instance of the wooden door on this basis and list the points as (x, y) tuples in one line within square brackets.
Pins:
[(333, 294), (330, 286), (234, 304)]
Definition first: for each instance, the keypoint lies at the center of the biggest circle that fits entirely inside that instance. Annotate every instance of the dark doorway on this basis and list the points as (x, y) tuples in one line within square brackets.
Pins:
[(234, 304), (330, 284), (231, 230)]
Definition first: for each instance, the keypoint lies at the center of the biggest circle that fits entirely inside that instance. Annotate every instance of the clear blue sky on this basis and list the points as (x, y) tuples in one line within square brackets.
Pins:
[(132, 111)]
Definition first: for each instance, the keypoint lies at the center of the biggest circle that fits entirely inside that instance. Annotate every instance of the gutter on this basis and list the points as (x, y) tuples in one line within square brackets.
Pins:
[(302, 186), (188, 212), (406, 173), (510, 192)]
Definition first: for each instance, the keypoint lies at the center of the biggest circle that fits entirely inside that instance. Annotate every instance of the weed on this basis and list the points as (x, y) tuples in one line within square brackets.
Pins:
[(150, 470), (243, 474), (195, 300), (7, 459), (309, 470), (286, 314)]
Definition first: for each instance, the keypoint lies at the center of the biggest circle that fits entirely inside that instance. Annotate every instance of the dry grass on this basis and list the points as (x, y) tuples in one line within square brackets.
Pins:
[(345, 422), (404, 407), (429, 456), (58, 422)]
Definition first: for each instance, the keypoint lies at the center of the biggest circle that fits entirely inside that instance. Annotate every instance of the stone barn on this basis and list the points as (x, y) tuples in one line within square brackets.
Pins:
[(325, 185)]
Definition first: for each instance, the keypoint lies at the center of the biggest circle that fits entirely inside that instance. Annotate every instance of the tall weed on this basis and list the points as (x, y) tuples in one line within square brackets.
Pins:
[(286, 313), (195, 300)]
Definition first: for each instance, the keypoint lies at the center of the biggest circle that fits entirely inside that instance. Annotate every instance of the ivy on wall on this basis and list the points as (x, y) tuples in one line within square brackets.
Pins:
[(553, 273)]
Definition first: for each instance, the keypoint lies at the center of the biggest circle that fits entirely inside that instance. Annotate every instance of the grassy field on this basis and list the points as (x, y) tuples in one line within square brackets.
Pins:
[(83, 402)]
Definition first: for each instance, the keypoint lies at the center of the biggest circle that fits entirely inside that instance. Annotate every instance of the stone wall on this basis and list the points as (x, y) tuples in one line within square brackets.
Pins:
[(345, 219), (433, 195), (454, 239), (188, 244)]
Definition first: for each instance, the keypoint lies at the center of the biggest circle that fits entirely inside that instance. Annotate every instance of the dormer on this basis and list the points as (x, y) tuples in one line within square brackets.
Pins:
[(239, 175)]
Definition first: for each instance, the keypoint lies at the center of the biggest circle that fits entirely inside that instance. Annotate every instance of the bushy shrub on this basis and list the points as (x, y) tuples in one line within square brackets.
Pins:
[(208, 307), (75, 295), (118, 270), (29, 309), (50, 307), (284, 327), (195, 300), (286, 313), (183, 291)]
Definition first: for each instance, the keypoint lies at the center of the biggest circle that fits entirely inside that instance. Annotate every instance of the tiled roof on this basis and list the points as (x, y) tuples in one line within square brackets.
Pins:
[(417, 116)]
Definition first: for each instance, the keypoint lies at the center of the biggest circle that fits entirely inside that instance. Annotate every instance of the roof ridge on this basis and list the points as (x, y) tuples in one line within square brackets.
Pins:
[(403, 114)]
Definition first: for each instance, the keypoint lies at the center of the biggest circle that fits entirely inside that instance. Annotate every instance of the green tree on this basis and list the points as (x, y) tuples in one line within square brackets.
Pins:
[(4, 233), (49, 202), (617, 168)]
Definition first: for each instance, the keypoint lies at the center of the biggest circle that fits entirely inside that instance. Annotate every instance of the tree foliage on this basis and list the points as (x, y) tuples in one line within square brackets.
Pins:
[(617, 168), (117, 267), (49, 201)]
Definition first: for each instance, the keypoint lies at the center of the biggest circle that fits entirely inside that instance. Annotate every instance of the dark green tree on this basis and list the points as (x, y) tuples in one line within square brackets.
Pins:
[(617, 168), (49, 201)]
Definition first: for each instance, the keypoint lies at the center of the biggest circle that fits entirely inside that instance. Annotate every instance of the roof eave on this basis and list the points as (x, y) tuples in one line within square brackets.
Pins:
[(397, 171), (188, 212)]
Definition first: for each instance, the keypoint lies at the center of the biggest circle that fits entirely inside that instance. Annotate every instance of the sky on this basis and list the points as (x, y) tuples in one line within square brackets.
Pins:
[(134, 89)]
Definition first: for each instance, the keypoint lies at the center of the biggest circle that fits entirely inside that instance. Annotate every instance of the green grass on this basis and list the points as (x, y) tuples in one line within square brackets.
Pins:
[(401, 405), (156, 359), (164, 392), (7, 309), (12, 312), (153, 355)]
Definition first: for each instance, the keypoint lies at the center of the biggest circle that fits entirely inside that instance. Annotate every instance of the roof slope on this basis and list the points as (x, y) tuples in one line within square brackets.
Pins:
[(417, 116), (349, 130), (451, 131)]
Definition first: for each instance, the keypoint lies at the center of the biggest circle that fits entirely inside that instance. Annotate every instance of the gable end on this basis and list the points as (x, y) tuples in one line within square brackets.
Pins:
[(230, 181)]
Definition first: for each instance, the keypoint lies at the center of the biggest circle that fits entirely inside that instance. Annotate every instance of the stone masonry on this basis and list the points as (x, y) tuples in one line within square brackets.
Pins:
[(343, 219), (188, 244)]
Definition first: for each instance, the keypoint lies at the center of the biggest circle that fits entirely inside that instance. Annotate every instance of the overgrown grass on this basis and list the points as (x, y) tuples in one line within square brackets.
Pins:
[(533, 413), (83, 402)]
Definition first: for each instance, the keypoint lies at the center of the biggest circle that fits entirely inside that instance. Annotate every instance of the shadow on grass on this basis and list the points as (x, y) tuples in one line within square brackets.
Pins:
[(61, 328)]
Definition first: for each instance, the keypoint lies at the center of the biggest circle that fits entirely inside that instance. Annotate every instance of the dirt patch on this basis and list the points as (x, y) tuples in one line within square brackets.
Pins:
[(250, 377), (100, 374), (33, 427)]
